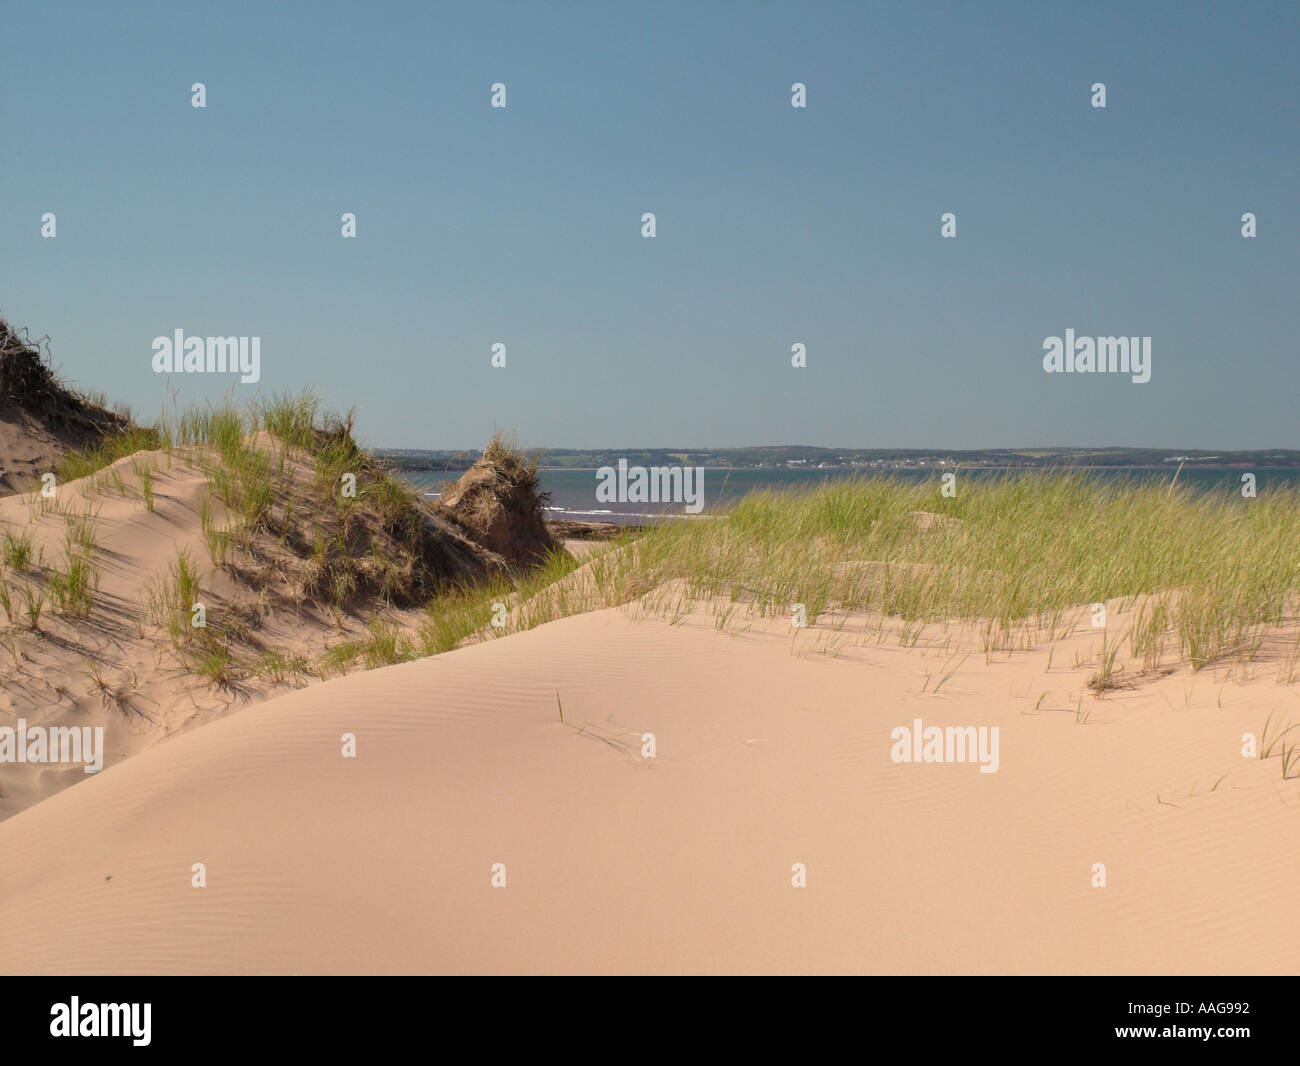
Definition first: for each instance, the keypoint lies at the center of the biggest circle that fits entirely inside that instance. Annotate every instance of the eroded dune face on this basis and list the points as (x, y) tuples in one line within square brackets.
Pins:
[(498, 503), (27, 450), (39, 418)]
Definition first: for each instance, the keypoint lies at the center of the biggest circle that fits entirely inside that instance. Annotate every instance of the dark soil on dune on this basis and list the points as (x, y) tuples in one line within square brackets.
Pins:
[(40, 418)]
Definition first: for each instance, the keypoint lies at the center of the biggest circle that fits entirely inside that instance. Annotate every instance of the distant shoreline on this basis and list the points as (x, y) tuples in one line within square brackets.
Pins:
[(956, 464)]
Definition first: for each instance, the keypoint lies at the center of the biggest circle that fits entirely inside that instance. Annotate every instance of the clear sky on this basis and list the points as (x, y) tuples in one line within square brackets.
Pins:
[(775, 224)]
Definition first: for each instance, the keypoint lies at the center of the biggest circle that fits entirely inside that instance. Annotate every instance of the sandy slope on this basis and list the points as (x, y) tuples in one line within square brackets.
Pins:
[(27, 449), (618, 863), (146, 693)]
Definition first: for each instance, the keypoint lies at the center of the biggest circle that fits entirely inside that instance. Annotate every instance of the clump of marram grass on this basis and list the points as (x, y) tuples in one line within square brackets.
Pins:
[(172, 597), (217, 538), (213, 659), (383, 645), (81, 530), (34, 603), (215, 647), (73, 589), (17, 551), (279, 666), (292, 420), (1107, 677)]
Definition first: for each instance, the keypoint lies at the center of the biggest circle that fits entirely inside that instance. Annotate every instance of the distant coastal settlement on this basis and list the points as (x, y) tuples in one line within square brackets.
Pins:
[(797, 457)]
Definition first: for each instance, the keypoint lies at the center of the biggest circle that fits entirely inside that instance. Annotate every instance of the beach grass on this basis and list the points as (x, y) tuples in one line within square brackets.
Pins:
[(1208, 573), (83, 462), (73, 588), (16, 551)]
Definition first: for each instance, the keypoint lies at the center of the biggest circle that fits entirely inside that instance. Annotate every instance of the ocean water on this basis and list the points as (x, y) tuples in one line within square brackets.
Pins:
[(573, 492)]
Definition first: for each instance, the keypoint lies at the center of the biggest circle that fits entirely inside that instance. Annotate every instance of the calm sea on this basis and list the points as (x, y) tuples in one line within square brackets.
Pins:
[(573, 492)]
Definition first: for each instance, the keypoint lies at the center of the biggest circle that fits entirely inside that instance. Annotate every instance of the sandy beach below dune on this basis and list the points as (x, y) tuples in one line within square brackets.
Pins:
[(767, 754)]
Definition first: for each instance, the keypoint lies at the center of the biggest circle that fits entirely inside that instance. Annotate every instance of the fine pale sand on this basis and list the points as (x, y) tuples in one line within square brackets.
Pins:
[(769, 752), (115, 669)]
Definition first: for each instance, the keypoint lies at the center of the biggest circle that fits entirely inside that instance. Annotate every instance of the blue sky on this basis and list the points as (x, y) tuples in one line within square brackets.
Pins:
[(776, 225)]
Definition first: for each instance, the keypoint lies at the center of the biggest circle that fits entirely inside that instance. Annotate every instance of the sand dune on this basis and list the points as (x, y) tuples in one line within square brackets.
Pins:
[(768, 754), (118, 668)]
